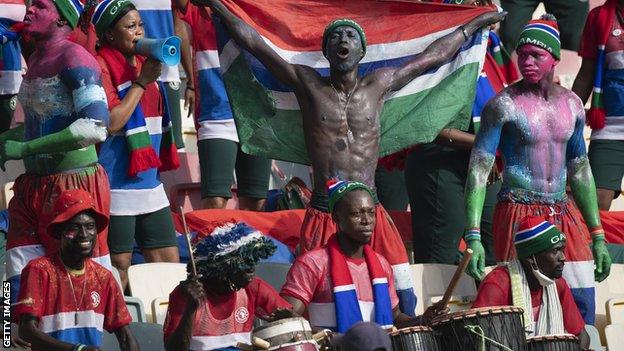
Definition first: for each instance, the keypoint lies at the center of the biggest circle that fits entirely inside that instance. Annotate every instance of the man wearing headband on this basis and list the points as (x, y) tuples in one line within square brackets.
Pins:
[(67, 299), (538, 126), (346, 281), (215, 310), (533, 282), (65, 116), (341, 119)]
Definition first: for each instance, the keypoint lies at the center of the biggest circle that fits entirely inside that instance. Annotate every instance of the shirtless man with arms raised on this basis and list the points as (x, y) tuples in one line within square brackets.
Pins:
[(341, 119)]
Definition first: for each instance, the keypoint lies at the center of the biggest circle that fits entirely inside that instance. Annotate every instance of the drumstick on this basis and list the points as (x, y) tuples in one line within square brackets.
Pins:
[(451, 287), (260, 343), (255, 341), (187, 235)]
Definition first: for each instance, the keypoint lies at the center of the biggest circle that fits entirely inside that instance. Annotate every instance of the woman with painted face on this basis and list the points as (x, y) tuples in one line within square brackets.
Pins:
[(140, 143), (534, 282)]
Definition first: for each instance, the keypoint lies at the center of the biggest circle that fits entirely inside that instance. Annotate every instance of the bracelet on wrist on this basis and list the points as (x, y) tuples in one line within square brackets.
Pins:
[(597, 233), (472, 234), (136, 82), (79, 347)]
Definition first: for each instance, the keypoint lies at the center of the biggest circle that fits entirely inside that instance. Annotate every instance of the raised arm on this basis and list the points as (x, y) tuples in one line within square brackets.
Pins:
[(437, 53), (481, 161), (583, 189), (250, 40)]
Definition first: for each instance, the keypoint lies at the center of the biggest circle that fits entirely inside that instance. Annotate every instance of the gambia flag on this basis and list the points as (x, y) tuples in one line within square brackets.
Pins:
[(266, 112)]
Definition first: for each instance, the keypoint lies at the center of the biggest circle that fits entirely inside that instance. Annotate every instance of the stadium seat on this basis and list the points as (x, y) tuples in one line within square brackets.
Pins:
[(614, 334), (117, 277), (149, 336), (610, 288), (431, 281), (7, 194), (615, 311), (273, 273), (151, 280), (159, 309), (136, 309), (594, 338)]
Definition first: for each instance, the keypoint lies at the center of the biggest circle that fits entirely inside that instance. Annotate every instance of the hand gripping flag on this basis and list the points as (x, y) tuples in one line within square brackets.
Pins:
[(266, 111)]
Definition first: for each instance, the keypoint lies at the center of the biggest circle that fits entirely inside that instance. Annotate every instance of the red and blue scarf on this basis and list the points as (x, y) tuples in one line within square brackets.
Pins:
[(142, 154), (345, 297), (596, 115)]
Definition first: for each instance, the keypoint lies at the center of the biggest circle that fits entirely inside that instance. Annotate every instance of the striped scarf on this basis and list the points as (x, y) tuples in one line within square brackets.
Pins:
[(596, 114), (142, 154), (345, 297), (550, 318)]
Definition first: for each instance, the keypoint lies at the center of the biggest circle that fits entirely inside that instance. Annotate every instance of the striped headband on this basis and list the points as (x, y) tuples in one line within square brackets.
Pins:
[(535, 235), (70, 10), (106, 12), (543, 33)]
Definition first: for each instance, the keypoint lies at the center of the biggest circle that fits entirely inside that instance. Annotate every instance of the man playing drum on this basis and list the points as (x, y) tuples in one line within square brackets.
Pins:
[(533, 282), (346, 282), (215, 309)]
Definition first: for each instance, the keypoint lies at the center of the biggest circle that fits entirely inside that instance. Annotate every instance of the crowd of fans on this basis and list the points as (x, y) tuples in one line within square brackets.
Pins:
[(102, 122)]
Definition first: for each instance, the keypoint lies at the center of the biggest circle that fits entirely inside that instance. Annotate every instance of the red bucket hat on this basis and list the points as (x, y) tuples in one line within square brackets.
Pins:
[(71, 203)]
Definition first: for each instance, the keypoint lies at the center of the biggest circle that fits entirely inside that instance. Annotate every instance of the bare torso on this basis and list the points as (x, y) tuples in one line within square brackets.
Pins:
[(534, 138), (333, 150)]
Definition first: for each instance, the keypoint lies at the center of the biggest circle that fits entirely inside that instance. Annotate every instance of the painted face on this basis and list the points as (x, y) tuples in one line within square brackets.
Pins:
[(41, 19), (344, 48), (78, 235), (535, 63), (551, 262), (355, 216), (124, 35)]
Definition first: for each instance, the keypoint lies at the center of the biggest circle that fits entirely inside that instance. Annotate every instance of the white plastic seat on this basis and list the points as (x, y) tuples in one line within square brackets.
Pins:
[(431, 281), (613, 333), (594, 337), (615, 310), (136, 309), (149, 281), (159, 309)]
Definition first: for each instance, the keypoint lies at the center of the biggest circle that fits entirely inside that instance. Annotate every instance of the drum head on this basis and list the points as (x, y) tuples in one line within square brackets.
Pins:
[(285, 331)]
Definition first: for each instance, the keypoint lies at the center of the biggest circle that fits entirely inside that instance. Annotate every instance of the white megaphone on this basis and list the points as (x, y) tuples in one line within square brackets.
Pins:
[(165, 50)]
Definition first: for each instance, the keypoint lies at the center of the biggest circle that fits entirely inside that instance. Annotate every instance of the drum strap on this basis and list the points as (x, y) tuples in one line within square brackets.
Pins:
[(550, 318)]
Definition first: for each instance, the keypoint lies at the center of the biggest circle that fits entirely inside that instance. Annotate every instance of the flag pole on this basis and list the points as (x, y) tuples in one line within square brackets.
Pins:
[(187, 235)]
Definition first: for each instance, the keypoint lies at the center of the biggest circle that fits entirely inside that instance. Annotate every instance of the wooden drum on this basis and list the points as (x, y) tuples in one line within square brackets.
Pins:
[(289, 334), (564, 342), (414, 339)]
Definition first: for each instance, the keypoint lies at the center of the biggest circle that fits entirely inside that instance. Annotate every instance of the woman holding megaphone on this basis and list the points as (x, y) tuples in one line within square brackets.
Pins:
[(140, 144)]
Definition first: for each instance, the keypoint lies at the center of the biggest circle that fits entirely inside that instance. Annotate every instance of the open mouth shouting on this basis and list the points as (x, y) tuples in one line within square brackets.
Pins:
[(343, 53)]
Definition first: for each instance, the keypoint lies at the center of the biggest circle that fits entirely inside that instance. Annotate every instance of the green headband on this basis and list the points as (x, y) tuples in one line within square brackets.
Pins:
[(340, 189), (343, 22), (107, 12), (534, 241), (70, 10)]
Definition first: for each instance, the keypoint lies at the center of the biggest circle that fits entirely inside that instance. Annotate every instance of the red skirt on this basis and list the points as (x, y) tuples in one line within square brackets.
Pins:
[(564, 215), (31, 209), (318, 227)]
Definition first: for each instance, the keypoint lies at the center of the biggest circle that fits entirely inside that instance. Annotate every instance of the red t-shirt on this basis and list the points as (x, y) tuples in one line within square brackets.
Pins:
[(46, 293), (151, 102), (222, 321), (588, 49), (495, 290)]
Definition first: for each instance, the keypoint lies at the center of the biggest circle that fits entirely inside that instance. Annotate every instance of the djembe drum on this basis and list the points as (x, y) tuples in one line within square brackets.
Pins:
[(563, 342), (472, 329), (414, 339), (289, 334)]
